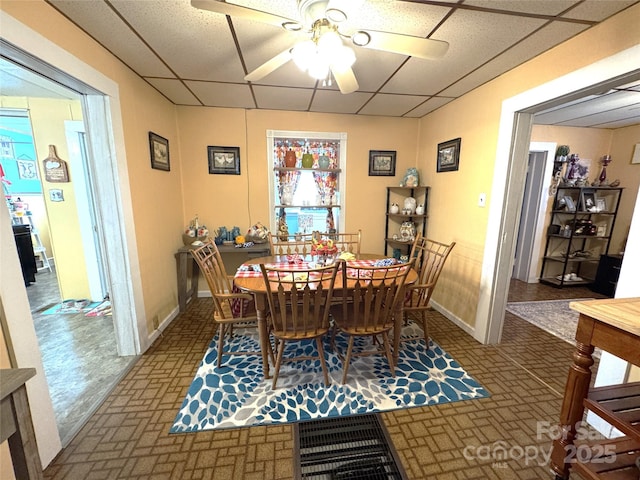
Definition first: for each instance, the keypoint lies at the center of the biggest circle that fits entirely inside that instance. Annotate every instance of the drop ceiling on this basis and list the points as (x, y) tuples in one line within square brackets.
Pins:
[(197, 57)]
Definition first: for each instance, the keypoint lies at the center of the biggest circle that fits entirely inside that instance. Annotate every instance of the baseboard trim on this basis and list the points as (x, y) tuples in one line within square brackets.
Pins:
[(162, 326), (454, 318)]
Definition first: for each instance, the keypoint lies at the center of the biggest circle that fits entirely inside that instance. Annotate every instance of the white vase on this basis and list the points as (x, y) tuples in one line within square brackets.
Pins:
[(420, 209), (410, 204)]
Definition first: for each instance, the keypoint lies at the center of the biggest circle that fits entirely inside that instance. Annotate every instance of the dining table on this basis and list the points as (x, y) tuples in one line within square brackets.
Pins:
[(248, 278)]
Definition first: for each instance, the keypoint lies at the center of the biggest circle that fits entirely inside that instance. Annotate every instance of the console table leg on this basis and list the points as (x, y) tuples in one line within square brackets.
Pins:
[(577, 389)]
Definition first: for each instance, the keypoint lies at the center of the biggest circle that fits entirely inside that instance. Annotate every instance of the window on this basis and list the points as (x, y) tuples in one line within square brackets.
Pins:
[(307, 198)]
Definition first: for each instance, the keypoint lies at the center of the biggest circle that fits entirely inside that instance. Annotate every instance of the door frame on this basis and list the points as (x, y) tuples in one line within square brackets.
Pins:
[(105, 141), (508, 185), (526, 261)]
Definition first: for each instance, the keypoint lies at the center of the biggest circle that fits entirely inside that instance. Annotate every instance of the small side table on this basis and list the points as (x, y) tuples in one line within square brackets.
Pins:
[(188, 271), (16, 423)]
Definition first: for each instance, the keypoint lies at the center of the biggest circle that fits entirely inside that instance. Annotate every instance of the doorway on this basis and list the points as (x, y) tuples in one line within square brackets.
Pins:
[(76, 336), (513, 146)]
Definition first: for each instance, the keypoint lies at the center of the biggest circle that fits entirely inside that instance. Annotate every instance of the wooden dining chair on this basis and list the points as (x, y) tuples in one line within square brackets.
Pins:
[(220, 284), (370, 299), (291, 244), (429, 256), (299, 302), (345, 242)]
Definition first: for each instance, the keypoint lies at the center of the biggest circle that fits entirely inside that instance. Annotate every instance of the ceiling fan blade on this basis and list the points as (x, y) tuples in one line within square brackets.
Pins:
[(406, 45), (220, 6), (345, 79), (269, 66)]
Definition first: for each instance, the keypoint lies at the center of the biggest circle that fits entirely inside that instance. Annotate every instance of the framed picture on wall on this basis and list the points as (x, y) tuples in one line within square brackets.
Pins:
[(224, 160), (449, 155), (159, 148), (382, 163)]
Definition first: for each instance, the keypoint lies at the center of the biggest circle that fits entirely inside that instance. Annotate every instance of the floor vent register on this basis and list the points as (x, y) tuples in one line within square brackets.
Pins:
[(341, 448)]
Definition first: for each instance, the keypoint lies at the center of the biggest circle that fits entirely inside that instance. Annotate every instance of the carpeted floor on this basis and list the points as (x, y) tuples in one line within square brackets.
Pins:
[(237, 395)]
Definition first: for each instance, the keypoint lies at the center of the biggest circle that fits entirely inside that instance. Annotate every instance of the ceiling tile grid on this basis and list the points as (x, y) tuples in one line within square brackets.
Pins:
[(198, 57)]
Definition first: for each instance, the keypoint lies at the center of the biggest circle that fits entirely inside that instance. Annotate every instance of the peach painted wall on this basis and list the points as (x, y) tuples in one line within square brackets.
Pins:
[(242, 200), (475, 118), (623, 142), (156, 195)]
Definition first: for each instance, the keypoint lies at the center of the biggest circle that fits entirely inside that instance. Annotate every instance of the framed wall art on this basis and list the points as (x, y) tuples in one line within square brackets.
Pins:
[(159, 148), (382, 163), (224, 160), (449, 155)]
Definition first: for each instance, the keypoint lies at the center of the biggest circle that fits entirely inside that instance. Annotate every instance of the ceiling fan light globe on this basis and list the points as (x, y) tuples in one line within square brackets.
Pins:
[(329, 42), (343, 59), (303, 54), (319, 70), (361, 38)]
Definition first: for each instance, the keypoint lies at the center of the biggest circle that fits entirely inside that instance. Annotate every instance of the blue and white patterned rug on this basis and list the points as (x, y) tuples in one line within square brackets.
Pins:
[(237, 395)]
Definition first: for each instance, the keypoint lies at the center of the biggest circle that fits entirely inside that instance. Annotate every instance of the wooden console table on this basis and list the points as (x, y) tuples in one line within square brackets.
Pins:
[(16, 423), (188, 271), (614, 326)]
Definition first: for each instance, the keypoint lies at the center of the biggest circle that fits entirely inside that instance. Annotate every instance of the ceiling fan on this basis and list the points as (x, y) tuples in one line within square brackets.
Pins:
[(324, 53)]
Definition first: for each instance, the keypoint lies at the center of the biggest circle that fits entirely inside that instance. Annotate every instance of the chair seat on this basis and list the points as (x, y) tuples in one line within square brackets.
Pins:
[(249, 316), (351, 326)]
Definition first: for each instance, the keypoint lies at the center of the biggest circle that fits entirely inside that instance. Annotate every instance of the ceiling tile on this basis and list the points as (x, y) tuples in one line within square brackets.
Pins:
[(174, 90), (628, 112), (194, 43), (540, 41), (394, 105), (222, 94), (105, 26), (598, 10), (581, 109), (332, 101), (539, 7), (281, 98), (474, 38), (429, 106)]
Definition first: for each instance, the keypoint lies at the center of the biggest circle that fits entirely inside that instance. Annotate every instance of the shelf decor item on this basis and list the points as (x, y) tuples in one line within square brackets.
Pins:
[(224, 160), (290, 159), (449, 155), (323, 161), (411, 178), (602, 179), (307, 160)]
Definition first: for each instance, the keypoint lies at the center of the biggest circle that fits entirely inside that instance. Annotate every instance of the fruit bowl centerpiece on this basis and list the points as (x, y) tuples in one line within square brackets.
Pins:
[(324, 250)]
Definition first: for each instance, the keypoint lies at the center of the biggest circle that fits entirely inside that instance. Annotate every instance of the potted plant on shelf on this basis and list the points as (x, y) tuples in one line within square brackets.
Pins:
[(562, 153)]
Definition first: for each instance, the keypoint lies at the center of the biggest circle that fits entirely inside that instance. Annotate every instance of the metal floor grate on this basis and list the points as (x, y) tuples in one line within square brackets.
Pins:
[(342, 448)]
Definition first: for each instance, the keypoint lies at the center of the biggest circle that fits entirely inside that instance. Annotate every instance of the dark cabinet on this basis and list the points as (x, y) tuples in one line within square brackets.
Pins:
[(22, 235), (607, 275)]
